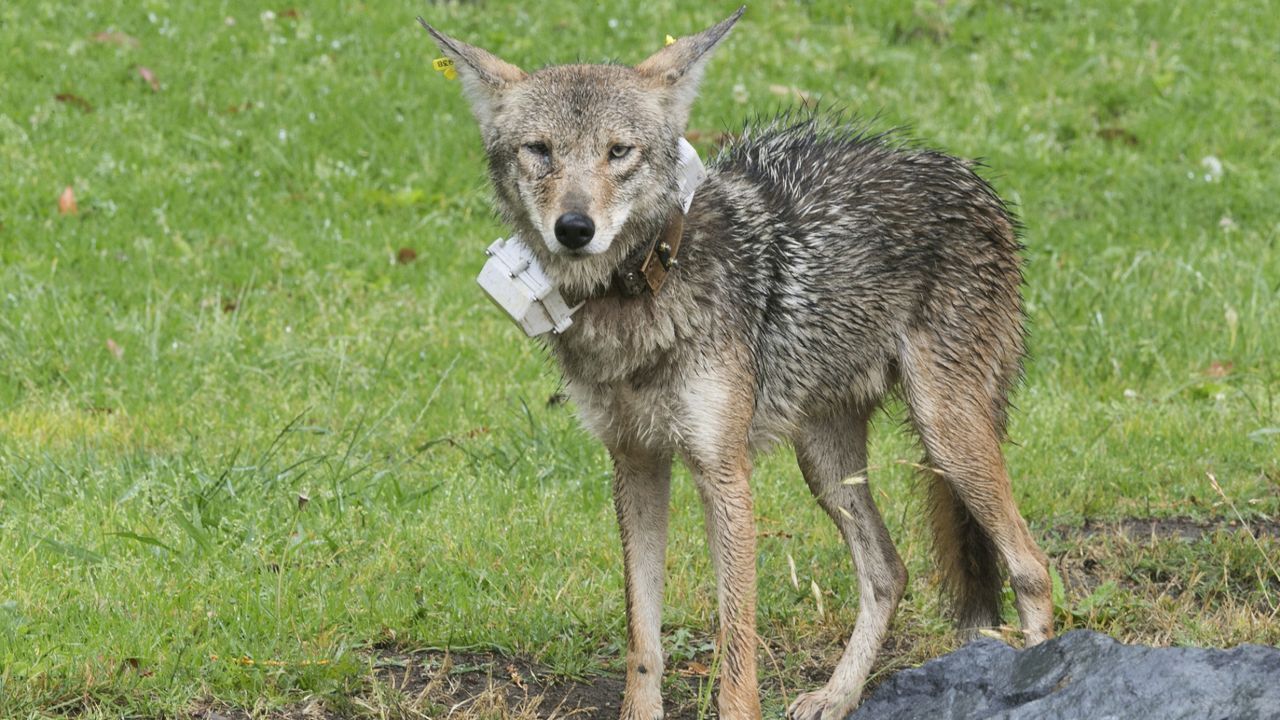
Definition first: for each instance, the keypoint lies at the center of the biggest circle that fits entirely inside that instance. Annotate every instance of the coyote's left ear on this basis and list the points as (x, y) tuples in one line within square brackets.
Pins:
[(484, 75), (677, 68)]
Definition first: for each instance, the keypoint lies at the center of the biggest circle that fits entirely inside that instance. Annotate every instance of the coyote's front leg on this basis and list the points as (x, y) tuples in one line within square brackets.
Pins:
[(641, 492), (731, 533), (717, 417)]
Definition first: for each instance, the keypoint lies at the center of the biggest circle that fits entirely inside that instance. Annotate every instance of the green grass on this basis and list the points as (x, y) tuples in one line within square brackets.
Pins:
[(223, 328)]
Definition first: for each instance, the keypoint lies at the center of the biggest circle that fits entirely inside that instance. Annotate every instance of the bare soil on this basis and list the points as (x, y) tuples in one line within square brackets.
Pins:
[(1164, 528), (460, 683)]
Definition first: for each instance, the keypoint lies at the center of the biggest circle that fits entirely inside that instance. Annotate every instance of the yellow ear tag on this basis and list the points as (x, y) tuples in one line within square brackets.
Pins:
[(669, 41), (445, 67)]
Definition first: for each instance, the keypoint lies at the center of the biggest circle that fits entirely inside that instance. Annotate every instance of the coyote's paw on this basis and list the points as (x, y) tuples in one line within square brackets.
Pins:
[(650, 709), (820, 705)]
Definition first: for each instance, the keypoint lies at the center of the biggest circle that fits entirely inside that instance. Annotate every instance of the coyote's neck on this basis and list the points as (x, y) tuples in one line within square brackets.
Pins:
[(645, 270), (618, 336)]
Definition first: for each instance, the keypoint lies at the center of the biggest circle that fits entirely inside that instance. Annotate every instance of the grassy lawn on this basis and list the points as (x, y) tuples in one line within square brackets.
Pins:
[(252, 404)]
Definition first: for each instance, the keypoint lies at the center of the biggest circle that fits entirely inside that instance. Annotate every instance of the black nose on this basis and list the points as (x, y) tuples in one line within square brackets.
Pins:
[(574, 230)]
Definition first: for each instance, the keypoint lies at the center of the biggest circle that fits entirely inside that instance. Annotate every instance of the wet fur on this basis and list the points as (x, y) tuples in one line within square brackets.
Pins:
[(822, 267)]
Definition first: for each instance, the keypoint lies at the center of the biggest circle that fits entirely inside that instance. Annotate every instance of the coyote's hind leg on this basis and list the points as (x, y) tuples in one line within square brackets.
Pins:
[(952, 408), (832, 453)]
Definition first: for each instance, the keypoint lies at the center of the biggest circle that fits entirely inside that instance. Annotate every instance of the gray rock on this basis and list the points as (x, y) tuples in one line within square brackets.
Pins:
[(1084, 675)]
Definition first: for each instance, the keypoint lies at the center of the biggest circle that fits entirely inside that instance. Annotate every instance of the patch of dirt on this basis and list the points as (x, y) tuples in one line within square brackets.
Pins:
[(1180, 528), (477, 684), (1202, 564), (435, 685)]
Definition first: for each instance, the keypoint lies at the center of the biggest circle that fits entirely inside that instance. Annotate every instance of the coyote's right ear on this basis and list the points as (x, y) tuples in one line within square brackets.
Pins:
[(677, 69), (484, 75)]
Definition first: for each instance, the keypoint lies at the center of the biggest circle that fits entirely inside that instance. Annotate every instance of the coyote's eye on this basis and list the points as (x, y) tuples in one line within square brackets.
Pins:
[(539, 149), (617, 152)]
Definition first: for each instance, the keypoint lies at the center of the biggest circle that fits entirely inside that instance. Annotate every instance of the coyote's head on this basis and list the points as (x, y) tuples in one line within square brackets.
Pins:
[(583, 158)]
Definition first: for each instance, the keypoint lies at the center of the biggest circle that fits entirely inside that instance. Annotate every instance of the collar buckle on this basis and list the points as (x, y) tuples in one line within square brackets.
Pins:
[(660, 258)]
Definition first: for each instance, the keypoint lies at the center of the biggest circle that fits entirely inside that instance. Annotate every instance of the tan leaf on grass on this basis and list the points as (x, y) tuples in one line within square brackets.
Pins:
[(67, 202), (135, 664), (149, 75), (1219, 369), (114, 37), (115, 349), (693, 668), (516, 678), (75, 101), (1003, 633), (1118, 134), (1232, 317)]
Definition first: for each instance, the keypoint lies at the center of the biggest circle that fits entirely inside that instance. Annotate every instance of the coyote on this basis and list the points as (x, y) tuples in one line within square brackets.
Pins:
[(818, 269)]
